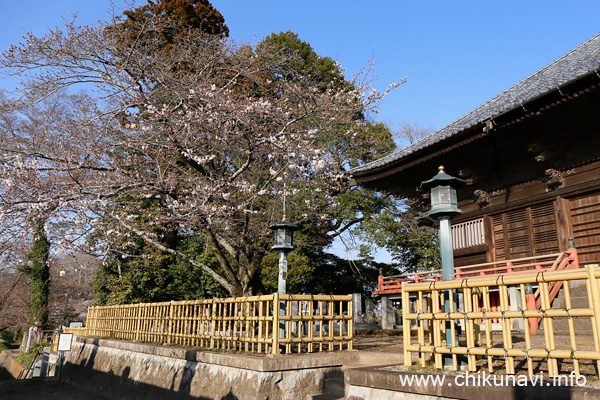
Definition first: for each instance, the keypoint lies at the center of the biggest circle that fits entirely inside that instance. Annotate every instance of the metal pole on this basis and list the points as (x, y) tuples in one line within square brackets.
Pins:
[(446, 249), (447, 274), (282, 289), (282, 272), (59, 363)]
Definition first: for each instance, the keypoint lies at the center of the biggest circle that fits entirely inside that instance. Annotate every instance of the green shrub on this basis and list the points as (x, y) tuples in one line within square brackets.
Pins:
[(26, 358)]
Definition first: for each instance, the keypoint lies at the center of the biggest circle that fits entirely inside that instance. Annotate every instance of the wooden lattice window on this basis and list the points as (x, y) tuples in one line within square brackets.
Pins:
[(525, 232), (585, 220)]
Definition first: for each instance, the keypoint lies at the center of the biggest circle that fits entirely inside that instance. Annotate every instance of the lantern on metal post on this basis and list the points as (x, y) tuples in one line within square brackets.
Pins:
[(444, 206), (443, 194), (283, 233)]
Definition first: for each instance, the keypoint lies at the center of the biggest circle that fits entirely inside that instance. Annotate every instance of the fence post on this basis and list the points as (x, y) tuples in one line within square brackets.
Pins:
[(275, 349), (138, 322), (213, 324), (595, 300), (95, 321), (88, 321), (406, 325), (350, 322), (331, 308), (170, 331)]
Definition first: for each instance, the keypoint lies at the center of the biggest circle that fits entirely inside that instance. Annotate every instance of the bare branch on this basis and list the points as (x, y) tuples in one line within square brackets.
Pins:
[(176, 253)]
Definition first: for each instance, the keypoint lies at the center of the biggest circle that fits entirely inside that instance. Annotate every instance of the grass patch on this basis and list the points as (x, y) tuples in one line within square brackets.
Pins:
[(25, 359), (8, 341)]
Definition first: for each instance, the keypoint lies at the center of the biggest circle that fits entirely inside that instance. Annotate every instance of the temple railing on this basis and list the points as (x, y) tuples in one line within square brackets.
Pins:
[(548, 262)]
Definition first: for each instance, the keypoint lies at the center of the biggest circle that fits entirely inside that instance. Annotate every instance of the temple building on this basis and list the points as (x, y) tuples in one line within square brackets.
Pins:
[(531, 159)]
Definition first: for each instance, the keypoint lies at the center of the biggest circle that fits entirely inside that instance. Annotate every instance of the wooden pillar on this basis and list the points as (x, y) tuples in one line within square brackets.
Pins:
[(562, 209)]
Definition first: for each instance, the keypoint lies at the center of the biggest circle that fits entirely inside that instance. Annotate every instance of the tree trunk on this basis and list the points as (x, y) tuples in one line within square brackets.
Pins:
[(39, 275)]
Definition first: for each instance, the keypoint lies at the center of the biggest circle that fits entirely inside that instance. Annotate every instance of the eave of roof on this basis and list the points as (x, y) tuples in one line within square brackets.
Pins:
[(579, 62)]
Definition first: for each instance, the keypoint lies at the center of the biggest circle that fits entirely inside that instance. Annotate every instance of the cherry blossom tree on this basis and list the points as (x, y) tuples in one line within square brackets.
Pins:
[(208, 132)]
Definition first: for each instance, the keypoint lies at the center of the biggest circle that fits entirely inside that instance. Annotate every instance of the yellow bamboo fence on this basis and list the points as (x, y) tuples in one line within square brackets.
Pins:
[(250, 324), (423, 304)]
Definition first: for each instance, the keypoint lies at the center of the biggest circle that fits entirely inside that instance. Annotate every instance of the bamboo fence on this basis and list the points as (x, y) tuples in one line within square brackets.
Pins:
[(260, 324), (424, 303)]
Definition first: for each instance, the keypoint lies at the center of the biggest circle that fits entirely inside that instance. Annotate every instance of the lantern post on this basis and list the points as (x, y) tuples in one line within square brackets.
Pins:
[(444, 206), (283, 233)]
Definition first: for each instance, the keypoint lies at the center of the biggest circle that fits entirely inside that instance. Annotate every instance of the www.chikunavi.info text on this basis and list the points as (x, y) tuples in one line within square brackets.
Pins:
[(486, 379)]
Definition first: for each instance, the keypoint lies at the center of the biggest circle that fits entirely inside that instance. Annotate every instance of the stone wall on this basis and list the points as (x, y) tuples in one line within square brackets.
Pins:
[(124, 370), (9, 366), (386, 383)]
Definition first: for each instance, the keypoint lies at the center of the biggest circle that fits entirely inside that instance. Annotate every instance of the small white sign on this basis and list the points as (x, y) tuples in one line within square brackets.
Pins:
[(64, 341), (76, 325)]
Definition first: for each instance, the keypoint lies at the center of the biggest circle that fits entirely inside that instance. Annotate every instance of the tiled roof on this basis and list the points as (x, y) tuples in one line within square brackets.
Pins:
[(573, 65)]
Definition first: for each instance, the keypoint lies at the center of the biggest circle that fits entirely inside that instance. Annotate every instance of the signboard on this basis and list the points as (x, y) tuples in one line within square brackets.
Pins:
[(76, 325), (64, 341)]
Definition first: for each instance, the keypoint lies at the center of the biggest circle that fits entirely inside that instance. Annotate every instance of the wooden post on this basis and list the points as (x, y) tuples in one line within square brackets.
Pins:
[(420, 324), (527, 324), (330, 315), (170, 324), (260, 325), (138, 322), (571, 324), (469, 331), (351, 322), (322, 321), (594, 302), (506, 329), (437, 340), (311, 324), (548, 328), (288, 325), (453, 339), (275, 349), (406, 325), (477, 322)]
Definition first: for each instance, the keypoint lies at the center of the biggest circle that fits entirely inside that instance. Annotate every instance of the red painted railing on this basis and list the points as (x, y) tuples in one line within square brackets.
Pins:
[(549, 262)]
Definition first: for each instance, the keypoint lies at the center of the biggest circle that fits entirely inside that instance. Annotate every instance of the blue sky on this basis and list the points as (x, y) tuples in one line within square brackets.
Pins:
[(455, 54)]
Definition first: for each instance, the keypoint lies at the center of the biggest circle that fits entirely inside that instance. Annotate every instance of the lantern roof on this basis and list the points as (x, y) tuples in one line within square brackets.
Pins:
[(284, 224), (442, 179)]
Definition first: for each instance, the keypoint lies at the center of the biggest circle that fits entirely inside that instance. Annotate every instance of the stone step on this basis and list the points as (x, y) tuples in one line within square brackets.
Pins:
[(580, 283), (581, 325), (576, 302)]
